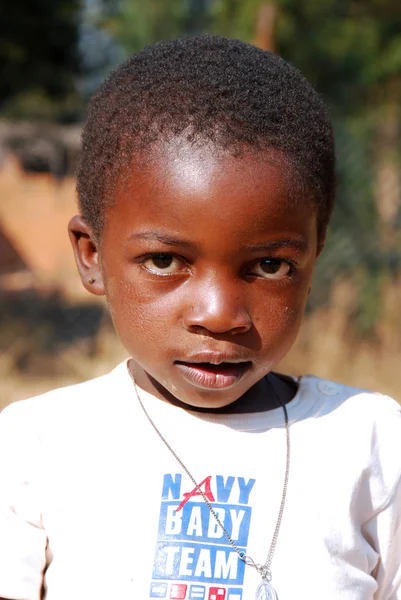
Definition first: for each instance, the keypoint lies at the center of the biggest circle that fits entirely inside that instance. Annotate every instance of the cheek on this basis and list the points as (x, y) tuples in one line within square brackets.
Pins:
[(138, 316), (280, 320), (279, 317)]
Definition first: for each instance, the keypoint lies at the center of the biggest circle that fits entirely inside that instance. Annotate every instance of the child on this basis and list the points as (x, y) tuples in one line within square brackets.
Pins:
[(193, 471)]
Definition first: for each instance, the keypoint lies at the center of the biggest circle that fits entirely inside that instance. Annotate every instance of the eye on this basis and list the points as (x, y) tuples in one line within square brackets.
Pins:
[(162, 264), (271, 268)]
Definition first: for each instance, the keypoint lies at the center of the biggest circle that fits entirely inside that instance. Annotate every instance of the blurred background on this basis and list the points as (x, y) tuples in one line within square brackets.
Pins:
[(53, 55)]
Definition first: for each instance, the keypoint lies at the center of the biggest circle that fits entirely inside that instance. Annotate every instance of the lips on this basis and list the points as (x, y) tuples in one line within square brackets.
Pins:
[(213, 375)]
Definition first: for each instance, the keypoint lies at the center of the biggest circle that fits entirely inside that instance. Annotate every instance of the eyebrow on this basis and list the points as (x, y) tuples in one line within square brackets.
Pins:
[(297, 243), (161, 238)]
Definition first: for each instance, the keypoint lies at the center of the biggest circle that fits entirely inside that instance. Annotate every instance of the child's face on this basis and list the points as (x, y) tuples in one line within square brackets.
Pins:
[(206, 262)]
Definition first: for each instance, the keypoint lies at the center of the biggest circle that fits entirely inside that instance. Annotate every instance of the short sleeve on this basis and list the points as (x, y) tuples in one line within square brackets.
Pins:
[(383, 530), (22, 537)]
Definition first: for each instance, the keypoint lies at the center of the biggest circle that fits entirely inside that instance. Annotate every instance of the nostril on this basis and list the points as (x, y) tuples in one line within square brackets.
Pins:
[(237, 324)]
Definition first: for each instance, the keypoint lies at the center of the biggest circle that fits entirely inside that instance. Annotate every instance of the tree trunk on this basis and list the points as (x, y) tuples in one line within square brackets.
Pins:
[(266, 26)]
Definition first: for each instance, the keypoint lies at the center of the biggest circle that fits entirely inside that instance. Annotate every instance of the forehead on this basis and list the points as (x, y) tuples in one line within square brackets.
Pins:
[(200, 186)]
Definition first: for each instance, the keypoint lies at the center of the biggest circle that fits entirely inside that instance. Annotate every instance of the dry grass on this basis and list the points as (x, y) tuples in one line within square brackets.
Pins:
[(327, 346), (69, 366)]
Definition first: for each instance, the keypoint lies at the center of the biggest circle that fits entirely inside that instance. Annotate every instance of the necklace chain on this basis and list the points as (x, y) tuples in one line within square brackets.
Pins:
[(262, 569)]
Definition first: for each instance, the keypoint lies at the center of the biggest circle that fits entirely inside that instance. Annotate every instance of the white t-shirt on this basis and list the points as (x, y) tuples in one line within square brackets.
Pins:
[(94, 506)]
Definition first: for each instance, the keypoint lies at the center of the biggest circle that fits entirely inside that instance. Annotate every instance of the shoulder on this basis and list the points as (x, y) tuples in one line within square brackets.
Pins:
[(356, 419), (68, 403), (355, 413), (362, 428), (346, 400)]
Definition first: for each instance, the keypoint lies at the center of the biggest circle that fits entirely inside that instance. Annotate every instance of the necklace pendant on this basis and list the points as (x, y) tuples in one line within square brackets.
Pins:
[(265, 591)]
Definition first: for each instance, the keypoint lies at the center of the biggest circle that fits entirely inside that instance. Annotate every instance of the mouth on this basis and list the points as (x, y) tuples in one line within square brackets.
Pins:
[(213, 375)]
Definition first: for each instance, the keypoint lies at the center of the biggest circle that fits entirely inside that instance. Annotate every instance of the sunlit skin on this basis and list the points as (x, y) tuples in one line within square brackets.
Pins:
[(206, 262)]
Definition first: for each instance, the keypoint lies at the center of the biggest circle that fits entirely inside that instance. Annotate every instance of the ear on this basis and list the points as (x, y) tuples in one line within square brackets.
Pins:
[(86, 254)]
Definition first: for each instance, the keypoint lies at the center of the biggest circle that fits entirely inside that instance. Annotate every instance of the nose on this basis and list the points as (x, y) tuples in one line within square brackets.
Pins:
[(217, 307)]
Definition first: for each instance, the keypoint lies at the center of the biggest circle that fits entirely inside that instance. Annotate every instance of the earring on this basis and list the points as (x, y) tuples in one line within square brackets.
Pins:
[(91, 280)]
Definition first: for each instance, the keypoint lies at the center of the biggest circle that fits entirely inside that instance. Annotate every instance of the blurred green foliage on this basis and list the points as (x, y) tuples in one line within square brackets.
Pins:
[(348, 49), (39, 59), (134, 23)]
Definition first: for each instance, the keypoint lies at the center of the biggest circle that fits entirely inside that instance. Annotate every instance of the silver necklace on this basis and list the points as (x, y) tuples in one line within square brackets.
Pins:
[(264, 591)]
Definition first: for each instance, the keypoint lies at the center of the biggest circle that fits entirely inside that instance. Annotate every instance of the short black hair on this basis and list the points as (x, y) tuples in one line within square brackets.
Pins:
[(209, 88)]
